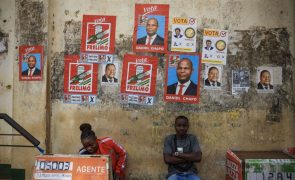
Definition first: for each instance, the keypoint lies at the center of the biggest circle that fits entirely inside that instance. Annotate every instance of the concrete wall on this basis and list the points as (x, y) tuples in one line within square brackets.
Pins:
[(261, 33)]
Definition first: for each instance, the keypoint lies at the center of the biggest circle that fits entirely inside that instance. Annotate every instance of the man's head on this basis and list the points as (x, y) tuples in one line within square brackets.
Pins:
[(213, 74), (31, 62), (110, 71), (152, 26), (88, 138), (265, 77), (181, 125), (208, 43), (184, 70), (177, 31)]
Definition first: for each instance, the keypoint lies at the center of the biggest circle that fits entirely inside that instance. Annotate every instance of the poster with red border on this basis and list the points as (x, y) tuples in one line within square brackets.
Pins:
[(79, 79), (151, 28), (68, 167), (98, 34), (182, 78), (138, 84), (233, 166), (30, 63)]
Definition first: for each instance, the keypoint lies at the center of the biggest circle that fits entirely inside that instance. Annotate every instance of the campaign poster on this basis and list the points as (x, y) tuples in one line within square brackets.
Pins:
[(109, 74), (213, 76), (240, 81), (98, 34), (30, 63), (96, 58), (80, 81), (184, 34), (68, 167), (215, 44), (268, 78), (138, 85), (182, 78), (151, 28)]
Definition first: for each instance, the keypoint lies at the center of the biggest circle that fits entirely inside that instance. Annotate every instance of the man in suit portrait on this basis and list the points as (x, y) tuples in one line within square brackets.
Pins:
[(208, 46), (110, 72), (212, 79), (265, 78), (177, 33), (184, 86), (32, 69), (152, 38)]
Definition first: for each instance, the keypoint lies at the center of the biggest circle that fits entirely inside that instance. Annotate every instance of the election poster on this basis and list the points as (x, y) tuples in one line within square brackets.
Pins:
[(213, 74), (30, 63), (98, 38), (109, 74), (80, 81), (151, 28), (70, 167), (184, 34), (240, 81), (96, 58), (138, 85), (182, 78), (215, 44), (268, 78)]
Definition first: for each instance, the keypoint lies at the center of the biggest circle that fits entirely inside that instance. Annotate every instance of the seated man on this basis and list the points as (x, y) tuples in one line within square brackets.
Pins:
[(181, 151)]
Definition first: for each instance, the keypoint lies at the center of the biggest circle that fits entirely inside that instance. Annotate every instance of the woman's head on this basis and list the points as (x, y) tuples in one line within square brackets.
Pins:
[(88, 138)]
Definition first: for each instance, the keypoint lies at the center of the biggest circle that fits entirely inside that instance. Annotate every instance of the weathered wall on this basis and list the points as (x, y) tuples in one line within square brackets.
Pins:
[(221, 120), (261, 33), (7, 18), (29, 21)]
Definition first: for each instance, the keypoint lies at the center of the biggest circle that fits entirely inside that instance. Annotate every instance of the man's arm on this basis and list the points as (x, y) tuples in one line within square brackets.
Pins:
[(177, 158)]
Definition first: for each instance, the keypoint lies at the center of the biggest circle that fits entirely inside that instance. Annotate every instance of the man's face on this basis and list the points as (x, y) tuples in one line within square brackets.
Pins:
[(177, 32), (31, 62), (151, 27), (213, 75), (184, 71), (265, 78), (110, 71), (208, 43), (90, 145), (181, 127)]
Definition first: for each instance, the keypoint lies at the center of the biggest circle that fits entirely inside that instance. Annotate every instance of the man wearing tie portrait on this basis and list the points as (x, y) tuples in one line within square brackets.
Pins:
[(32, 69), (184, 86)]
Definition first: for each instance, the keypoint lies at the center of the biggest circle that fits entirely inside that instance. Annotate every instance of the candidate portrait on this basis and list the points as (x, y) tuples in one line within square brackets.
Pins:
[(109, 74), (184, 84), (151, 35), (32, 70), (213, 76), (265, 81)]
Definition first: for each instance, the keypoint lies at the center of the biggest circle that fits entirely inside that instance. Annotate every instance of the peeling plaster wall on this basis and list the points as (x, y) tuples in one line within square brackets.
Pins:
[(261, 33)]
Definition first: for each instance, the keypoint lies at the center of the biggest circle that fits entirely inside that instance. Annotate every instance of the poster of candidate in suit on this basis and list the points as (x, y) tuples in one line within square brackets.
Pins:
[(184, 34), (215, 44), (182, 78), (150, 28), (30, 63), (109, 73)]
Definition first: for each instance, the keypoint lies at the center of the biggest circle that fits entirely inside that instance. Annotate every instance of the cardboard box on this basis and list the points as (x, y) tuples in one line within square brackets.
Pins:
[(72, 167), (259, 165)]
